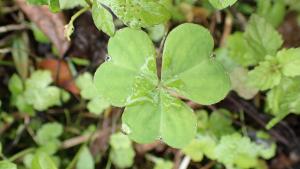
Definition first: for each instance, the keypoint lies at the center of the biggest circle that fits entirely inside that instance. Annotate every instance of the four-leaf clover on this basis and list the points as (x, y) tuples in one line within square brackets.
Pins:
[(152, 110)]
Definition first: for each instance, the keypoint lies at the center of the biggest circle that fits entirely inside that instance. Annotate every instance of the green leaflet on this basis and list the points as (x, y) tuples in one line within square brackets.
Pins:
[(262, 37), (103, 19), (7, 165), (130, 79), (53, 4), (284, 99), (272, 11), (36, 93), (42, 161), (67, 4), (164, 117), (259, 40), (240, 51), (190, 70), (289, 60), (266, 75), (142, 13), (269, 72), (85, 159), (97, 104), (221, 4), (122, 153)]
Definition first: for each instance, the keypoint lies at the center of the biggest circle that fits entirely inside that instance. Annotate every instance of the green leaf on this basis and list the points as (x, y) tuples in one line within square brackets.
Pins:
[(122, 153), (266, 75), (143, 13), (163, 164), (221, 4), (39, 94), (85, 159), (240, 51), (38, 2), (103, 18), (165, 117), (7, 165), (262, 37), (272, 11), (203, 145), (20, 55), (289, 60), (130, 79), (38, 34), (42, 161), (67, 4), (237, 150), (54, 5), (132, 55), (284, 99), (15, 85), (86, 86), (239, 80), (220, 123), (49, 132), (183, 60), (97, 104)]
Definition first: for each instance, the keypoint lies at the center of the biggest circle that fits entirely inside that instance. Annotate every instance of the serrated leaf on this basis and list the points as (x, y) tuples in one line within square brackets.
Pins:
[(42, 161), (266, 75), (143, 13), (220, 123), (221, 4), (272, 11), (85, 159), (202, 145), (262, 37), (240, 52), (7, 165), (289, 60), (235, 150), (190, 70), (284, 99), (103, 19)]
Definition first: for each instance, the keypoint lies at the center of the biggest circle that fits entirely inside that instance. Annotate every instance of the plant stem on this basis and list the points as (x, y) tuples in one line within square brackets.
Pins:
[(78, 13), (21, 154)]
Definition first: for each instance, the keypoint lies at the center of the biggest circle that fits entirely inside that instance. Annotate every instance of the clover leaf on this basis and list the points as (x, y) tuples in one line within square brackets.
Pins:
[(88, 91), (152, 112), (221, 4), (142, 13)]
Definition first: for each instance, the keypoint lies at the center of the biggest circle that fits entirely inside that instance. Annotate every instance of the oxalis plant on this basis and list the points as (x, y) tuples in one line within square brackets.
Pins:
[(151, 93)]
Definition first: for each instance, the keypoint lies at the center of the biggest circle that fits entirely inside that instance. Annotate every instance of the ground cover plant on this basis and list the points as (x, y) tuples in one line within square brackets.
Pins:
[(141, 84)]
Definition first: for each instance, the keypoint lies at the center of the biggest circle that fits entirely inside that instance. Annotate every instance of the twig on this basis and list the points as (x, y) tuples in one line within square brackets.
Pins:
[(12, 27), (227, 29), (185, 162), (209, 165)]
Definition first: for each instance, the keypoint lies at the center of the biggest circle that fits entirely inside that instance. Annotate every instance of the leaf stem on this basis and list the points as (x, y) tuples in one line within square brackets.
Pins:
[(21, 154)]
